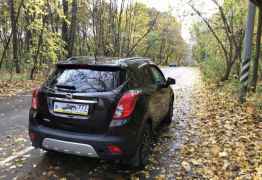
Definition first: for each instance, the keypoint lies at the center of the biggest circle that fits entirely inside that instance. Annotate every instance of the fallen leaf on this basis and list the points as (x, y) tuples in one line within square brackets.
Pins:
[(186, 166)]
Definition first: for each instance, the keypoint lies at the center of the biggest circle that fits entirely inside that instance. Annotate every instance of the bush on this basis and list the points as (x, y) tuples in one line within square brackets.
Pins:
[(212, 69)]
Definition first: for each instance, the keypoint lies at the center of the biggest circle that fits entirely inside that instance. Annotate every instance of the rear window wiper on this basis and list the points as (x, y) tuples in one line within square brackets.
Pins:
[(49, 88), (62, 86)]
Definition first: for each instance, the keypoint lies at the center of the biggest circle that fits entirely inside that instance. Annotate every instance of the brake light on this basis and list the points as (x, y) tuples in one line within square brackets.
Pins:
[(32, 136), (126, 105), (35, 98), (114, 149)]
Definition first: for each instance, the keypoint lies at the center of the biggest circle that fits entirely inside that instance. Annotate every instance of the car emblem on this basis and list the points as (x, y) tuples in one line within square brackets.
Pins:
[(69, 96)]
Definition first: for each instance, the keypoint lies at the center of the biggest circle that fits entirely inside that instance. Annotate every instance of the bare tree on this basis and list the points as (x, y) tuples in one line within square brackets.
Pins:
[(150, 28), (232, 53)]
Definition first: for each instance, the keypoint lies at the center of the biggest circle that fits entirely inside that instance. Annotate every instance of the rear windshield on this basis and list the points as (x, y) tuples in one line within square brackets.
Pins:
[(84, 80)]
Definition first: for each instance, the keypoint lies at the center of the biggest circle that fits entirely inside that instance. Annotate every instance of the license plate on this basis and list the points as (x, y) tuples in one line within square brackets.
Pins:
[(71, 108)]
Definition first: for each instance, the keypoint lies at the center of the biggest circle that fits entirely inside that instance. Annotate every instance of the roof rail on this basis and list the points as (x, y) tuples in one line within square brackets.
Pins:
[(73, 58), (91, 57), (132, 58), (136, 59), (146, 60)]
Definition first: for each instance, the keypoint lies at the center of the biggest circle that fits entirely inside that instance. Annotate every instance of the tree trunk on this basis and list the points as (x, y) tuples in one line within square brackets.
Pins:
[(228, 71), (96, 23), (8, 40), (28, 34), (36, 55), (14, 31), (65, 25), (256, 60), (72, 28)]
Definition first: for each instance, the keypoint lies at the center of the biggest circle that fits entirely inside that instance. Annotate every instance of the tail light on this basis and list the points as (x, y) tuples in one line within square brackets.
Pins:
[(126, 105), (32, 136), (114, 149), (35, 98), (125, 108)]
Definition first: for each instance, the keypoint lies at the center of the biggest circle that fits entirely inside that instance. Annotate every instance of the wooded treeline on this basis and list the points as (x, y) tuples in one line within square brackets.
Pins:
[(35, 34), (219, 42)]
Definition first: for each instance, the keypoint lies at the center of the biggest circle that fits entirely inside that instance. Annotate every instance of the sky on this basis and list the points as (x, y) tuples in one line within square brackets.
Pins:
[(183, 11)]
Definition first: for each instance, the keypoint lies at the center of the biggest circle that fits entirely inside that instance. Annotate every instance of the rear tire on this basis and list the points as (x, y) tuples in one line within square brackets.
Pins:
[(141, 157), (51, 153), (169, 116)]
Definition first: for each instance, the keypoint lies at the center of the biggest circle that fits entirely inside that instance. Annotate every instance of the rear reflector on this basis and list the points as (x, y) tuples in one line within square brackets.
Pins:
[(117, 123), (32, 136), (114, 149)]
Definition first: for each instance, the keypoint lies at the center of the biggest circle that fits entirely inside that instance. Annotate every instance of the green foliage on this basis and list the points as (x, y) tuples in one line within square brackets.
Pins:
[(165, 44), (51, 44), (104, 28), (212, 69), (207, 46)]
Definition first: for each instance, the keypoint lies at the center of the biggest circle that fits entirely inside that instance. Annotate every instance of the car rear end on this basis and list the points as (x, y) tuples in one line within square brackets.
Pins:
[(87, 110)]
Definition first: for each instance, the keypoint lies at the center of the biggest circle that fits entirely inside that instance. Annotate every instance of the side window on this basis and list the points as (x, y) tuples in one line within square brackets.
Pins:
[(158, 77)]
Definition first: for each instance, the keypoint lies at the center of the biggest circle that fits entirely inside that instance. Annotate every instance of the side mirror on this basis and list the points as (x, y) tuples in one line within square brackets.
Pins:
[(170, 81)]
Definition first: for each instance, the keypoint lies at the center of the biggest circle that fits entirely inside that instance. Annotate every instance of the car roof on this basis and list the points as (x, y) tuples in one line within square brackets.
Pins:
[(106, 61)]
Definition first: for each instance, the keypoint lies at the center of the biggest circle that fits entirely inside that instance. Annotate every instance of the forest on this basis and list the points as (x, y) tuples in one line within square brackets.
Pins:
[(35, 34), (219, 43)]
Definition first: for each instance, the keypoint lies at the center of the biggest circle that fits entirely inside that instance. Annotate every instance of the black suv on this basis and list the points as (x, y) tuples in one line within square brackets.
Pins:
[(103, 107)]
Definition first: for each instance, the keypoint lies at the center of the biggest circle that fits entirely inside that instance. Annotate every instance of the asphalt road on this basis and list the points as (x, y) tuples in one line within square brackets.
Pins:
[(13, 114), (18, 160)]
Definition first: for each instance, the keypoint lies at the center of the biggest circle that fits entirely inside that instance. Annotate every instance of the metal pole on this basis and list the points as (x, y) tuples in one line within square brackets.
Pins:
[(247, 53)]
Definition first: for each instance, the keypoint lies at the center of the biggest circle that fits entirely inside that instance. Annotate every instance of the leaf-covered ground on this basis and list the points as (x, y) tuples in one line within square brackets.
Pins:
[(14, 87), (229, 144), (11, 85)]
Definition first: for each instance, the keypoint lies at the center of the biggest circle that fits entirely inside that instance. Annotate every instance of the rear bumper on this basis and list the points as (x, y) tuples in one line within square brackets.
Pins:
[(69, 147), (81, 144)]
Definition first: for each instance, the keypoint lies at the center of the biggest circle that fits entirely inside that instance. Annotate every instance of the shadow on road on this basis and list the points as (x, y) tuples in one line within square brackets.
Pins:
[(55, 165)]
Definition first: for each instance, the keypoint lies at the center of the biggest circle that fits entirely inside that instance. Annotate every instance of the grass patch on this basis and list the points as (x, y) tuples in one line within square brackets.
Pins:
[(6, 76), (212, 69)]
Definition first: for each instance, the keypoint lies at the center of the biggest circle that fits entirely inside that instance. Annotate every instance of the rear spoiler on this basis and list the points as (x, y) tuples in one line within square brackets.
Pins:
[(92, 66)]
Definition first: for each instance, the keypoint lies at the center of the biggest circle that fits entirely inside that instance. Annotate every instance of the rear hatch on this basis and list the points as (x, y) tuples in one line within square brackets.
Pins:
[(80, 98)]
